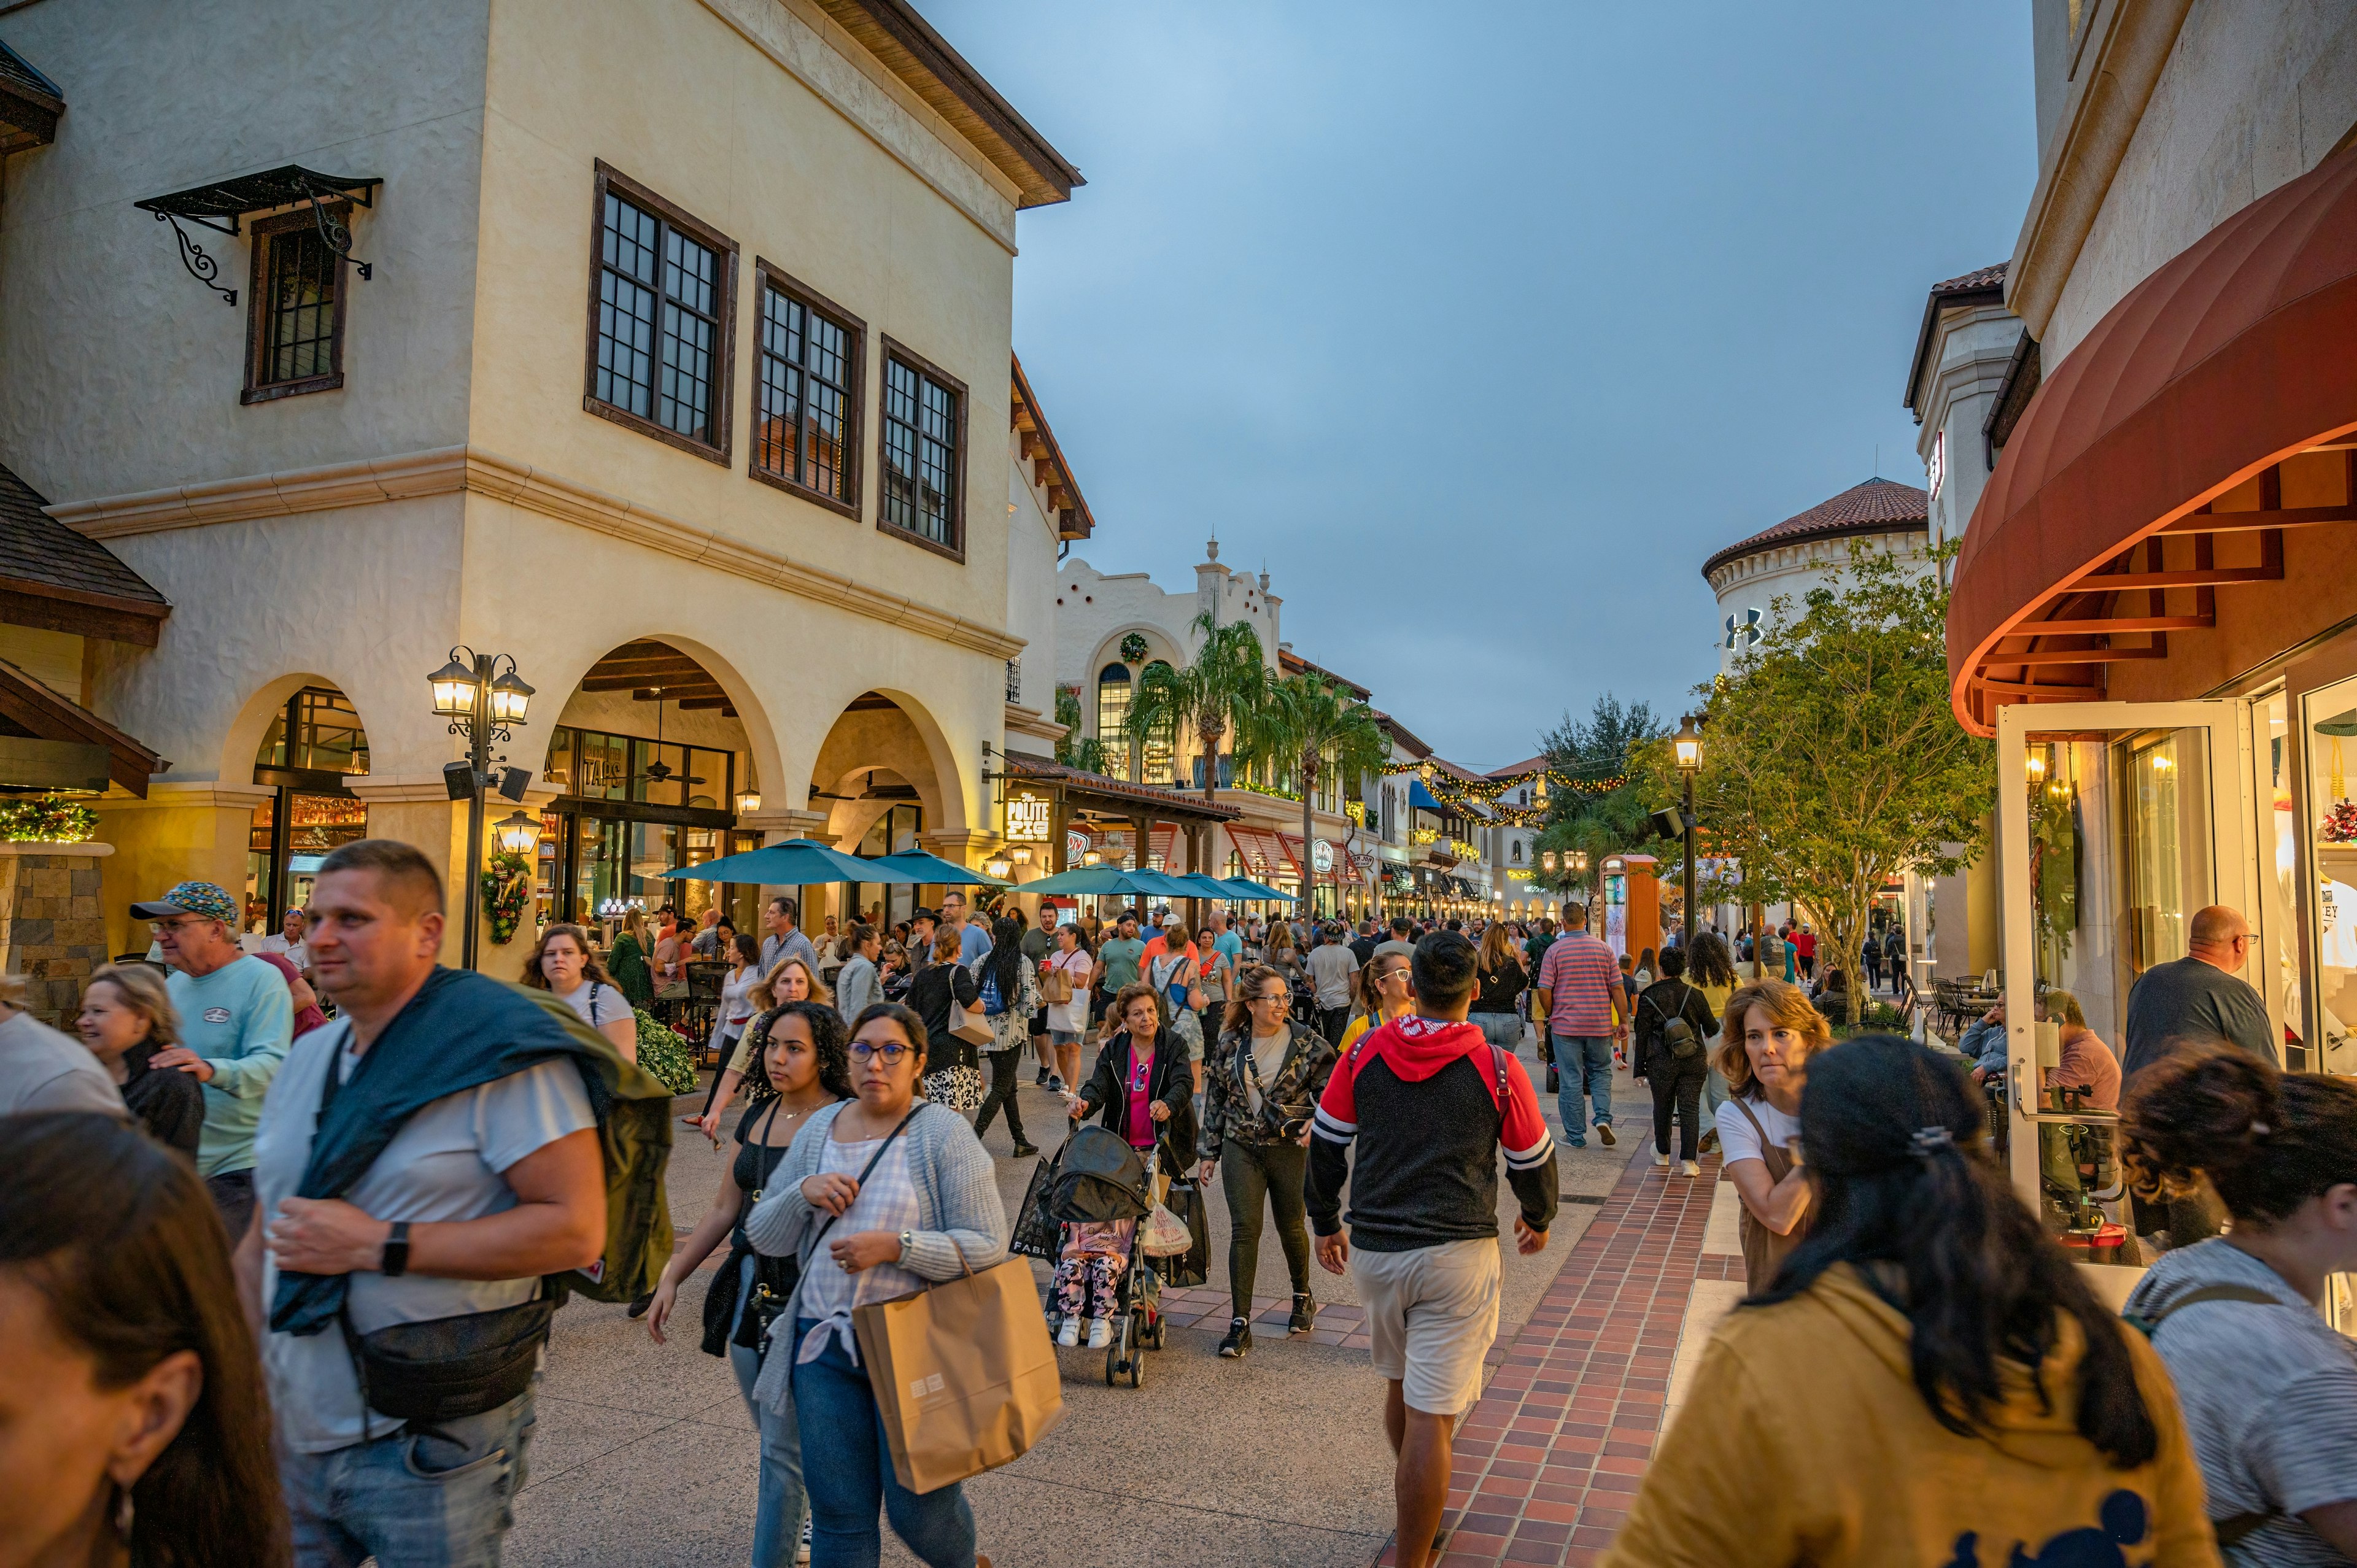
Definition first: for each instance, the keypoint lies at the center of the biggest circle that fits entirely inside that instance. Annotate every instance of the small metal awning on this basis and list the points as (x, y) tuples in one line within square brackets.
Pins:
[(222, 205), (29, 105)]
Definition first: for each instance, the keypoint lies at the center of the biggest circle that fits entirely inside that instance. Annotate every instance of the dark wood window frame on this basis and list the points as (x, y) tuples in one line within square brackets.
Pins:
[(724, 348), (260, 307), (765, 277), (955, 549)]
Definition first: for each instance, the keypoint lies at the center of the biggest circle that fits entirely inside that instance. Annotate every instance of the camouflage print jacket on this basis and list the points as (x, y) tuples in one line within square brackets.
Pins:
[(1288, 1098)]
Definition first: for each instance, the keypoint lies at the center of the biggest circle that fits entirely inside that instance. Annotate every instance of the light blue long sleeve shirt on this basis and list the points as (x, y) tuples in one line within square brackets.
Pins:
[(241, 1018)]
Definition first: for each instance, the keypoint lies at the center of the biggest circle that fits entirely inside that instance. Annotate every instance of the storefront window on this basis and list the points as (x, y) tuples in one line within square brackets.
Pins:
[(2275, 960), (2166, 805), (1113, 712), (2331, 715)]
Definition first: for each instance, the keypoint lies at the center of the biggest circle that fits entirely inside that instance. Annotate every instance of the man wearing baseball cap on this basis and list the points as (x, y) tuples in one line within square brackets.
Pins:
[(237, 1019)]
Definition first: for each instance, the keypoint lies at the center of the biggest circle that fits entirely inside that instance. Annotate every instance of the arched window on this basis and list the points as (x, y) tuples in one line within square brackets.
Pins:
[(1113, 712), (1161, 752)]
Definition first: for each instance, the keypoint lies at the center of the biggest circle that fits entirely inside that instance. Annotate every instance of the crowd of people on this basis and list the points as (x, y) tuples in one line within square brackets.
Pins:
[(282, 1233)]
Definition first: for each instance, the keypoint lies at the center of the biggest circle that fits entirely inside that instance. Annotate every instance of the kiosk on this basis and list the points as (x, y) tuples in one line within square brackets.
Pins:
[(1633, 905)]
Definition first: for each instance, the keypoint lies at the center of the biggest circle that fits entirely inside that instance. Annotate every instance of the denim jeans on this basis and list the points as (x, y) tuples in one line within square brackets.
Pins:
[(777, 1514), (438, 1498), (1714, 1089), (1583, 1063), (1503, 1030), (849, 1477)]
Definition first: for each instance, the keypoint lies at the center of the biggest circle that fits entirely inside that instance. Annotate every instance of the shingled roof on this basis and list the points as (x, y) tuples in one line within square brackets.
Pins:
[(1877, 506), (51, 576), (1983, 286)]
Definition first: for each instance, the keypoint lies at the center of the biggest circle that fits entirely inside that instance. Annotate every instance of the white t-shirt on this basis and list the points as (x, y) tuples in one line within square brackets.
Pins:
[(597, 1004), (444, 1165), (1072, 1017), (1736, 1140)]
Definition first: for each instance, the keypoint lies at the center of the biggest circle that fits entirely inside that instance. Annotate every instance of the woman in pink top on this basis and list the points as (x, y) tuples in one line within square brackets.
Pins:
[(2087, 1063)]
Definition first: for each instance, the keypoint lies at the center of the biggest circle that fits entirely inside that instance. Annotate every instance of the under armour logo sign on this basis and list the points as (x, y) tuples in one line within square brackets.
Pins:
[(1742, 632)]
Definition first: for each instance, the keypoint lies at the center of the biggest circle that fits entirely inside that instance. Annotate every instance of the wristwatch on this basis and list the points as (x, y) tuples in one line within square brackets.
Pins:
[(395, 1261), (907, 1238)]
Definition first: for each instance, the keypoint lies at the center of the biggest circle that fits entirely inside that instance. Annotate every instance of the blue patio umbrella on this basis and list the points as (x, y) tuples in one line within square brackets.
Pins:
[(1200, 887), (925, 867), (1109, 881), (1245, 887), (796, 862)]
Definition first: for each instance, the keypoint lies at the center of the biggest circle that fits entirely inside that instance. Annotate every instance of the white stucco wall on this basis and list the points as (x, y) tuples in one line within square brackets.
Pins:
[(1031, 615), (1755, 581), (1970, 351), (1094, 610), (2251, 96)]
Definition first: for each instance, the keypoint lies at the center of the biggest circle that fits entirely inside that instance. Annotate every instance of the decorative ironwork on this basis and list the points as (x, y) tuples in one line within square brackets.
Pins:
[(223, 205), (201, 267)]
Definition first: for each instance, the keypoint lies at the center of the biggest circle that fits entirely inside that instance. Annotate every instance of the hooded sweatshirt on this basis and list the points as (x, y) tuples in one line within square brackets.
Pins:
[(1420, 1099), (1803, 1440)]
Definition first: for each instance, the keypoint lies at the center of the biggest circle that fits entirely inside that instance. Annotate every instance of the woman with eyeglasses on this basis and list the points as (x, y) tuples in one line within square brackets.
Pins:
[(1260, 1088), (879, 1195)]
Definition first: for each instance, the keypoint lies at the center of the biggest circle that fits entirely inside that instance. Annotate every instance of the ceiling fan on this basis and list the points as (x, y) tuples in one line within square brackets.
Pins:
[(659, 773)]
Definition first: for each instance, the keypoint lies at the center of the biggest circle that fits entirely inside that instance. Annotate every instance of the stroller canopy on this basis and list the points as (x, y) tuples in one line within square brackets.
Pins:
[(1098, 1178)]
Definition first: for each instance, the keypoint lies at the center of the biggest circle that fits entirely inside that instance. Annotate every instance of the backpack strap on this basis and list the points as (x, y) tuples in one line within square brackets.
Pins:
[(2148, 1324)]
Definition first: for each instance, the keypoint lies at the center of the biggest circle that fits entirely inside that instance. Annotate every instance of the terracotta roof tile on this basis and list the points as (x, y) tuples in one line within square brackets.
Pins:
[(1974, 282), (1877, 506)]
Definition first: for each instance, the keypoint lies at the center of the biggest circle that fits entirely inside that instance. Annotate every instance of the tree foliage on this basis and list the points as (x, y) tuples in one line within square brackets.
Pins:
[(1311, 725), (1599, 823), (1220, 690), (1075, 750), (1830, 761)]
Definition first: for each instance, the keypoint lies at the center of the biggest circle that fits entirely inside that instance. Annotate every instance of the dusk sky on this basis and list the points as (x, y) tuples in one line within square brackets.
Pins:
[(1482, 324)]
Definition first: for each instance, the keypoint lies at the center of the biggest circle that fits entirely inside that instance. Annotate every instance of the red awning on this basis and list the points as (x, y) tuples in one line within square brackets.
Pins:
[(2237, 354), (1263, 854)]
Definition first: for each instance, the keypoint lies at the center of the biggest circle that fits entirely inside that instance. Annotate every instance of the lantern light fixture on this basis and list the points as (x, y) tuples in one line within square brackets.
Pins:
[(748, 802), (998, 865), (1688, 742), (1021, 853), (517, 832), (454, 690), (2035, 764)]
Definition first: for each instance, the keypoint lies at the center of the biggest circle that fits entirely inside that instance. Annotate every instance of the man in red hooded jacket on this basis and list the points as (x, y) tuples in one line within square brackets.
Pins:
[(1430, 1103)]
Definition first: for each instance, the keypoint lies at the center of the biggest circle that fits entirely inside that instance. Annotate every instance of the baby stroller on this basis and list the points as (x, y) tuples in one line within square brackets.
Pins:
[(1100, 1178)]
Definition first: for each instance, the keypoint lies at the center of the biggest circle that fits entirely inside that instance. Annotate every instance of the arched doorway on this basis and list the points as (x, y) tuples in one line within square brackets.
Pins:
[(312, 745), (876, 780), (651, 767)]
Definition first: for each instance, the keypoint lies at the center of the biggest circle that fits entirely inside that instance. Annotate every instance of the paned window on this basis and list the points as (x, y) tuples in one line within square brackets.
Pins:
[(659, 351), (297, 325), (808, 399), (1113, 712), (924, 419)]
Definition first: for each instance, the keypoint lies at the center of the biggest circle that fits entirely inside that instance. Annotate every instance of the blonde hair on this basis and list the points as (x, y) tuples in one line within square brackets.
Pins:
[(1788, 1007), (764, 994), (144, 992)]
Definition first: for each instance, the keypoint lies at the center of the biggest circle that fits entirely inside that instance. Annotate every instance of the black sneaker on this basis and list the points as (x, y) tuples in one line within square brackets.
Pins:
[(1604, 1133), (639, 1306), (1238, 1344), (1305, 1313), (1041, 1080), (1024, 1151)]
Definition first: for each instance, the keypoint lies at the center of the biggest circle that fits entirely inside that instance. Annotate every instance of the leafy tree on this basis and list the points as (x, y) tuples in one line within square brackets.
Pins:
[(1074, 749), (1830, 761), (1597, 822), (1220, 689), (1311, 725)]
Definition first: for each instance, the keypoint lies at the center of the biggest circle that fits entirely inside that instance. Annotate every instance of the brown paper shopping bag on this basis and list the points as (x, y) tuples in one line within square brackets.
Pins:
[(963, 1374)]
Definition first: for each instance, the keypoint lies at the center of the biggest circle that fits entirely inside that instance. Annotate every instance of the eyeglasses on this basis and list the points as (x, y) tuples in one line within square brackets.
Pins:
[(182, 924), (861, 1050), (1271, 996)]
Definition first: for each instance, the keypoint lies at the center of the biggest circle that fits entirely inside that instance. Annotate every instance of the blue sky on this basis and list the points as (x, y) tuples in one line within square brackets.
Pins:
[(1484, 324)]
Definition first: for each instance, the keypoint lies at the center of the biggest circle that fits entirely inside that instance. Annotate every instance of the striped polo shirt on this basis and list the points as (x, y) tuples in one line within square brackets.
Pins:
[(1585, 978)]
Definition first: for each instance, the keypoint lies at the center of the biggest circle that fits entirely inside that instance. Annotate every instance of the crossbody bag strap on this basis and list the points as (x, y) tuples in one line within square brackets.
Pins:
[(865, 1171)]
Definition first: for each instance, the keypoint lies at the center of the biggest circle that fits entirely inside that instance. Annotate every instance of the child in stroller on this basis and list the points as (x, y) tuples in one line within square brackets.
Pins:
[(1103, 1286)]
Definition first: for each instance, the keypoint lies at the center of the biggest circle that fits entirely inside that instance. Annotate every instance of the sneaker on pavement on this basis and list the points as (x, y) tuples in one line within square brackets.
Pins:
[(1687, 1167), (1238, 1344), (1305, 1313), (1070, 1334), (1660, 1158), (1041, 1079), (1056, 1082), (1100, 1333), (1604, 1133), (1025, 1151), (801, 1552)]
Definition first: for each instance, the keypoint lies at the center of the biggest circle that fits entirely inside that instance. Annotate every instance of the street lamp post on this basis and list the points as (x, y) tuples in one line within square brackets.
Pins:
[(480, 701), (1688, 742)]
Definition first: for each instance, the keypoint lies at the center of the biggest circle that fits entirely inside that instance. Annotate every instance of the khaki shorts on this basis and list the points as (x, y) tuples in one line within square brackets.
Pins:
[(1432, 1315)]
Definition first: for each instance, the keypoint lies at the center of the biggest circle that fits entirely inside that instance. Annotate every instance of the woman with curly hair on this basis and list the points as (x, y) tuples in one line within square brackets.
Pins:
[(790, 980), (805, 1057), (1770, 1032), (2268, 1389)]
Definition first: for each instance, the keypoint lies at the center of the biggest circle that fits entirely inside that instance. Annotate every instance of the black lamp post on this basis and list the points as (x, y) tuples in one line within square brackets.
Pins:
[(481, 702), (1688, 741)]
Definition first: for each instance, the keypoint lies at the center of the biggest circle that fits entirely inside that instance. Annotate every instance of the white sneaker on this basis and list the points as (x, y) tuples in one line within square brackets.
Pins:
[(1660, 1158), (801, 1552), (1687, 1167), (1070, 1334), (1100, 1333)]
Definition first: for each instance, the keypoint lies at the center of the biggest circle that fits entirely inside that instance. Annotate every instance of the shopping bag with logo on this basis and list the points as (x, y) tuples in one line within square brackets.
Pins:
[(1163, 1234), (1037, 1233), (1193, 1266), (963, 1374)]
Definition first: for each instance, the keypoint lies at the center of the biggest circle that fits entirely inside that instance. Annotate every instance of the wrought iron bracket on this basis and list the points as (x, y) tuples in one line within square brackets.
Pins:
[(337, 234), (201, 267)]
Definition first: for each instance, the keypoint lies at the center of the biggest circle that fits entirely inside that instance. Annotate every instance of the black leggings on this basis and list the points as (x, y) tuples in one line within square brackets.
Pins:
[(1677, 1085), (1004, 1073), (1256, 1177)]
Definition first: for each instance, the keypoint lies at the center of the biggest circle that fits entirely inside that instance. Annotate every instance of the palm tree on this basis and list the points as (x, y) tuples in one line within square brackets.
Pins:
[(1314, 724), (1075, 750), (1222, 689)]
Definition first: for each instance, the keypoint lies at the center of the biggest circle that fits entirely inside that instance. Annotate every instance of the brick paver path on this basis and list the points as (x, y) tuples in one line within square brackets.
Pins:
[(1548, 1462)]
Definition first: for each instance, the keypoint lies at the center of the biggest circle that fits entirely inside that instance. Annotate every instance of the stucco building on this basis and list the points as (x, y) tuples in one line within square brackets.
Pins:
[(660, 345)]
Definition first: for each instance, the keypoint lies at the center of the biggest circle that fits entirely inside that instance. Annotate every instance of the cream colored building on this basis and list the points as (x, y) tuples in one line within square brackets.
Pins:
[(680, 373)]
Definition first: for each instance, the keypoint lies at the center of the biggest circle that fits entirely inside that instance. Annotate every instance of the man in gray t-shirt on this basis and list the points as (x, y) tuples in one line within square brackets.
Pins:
[(2201, 996), (41, 1069)]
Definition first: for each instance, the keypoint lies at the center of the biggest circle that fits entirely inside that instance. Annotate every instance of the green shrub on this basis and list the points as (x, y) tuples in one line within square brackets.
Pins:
[(662, 1053)]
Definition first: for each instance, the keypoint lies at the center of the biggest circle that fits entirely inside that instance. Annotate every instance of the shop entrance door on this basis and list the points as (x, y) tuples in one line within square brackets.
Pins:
[(2116, 823)]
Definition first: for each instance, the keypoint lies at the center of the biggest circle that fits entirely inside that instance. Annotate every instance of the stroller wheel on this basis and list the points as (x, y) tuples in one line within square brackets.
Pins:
[(1137, 1366), (1113, 1367), (1161, 1332)]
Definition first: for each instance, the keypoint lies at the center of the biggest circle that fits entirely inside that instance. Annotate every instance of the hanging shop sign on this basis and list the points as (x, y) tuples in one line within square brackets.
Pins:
[(1076, 844), (1322, 856), (1029, 819)]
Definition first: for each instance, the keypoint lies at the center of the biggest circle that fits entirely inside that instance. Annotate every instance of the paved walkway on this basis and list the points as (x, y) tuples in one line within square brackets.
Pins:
[(1549, 1460)]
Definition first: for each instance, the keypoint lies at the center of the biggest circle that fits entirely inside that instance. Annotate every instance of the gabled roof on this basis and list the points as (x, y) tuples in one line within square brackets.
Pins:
[(51, 576), (1401, 734), (1292, 663), (1983, 286), (29, 707), (1877, 506), (1516, 769), (1048, 470), (910, 49), (29, 105)]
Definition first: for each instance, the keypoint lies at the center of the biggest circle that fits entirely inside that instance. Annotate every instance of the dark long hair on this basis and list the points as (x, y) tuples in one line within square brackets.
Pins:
[(830, 1040), (2267, 1140), (1893, 1133), (1005, 959), (119, 1238), (1713, 963)]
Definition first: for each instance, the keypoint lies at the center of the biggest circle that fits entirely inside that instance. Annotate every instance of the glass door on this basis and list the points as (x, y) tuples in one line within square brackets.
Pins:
[(2116, 823)]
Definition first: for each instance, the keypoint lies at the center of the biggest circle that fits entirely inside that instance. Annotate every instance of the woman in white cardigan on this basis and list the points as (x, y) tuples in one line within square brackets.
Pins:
[(878, 1196)]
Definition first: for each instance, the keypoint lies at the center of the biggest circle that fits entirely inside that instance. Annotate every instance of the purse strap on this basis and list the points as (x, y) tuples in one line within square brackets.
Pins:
[(865, 1172)]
